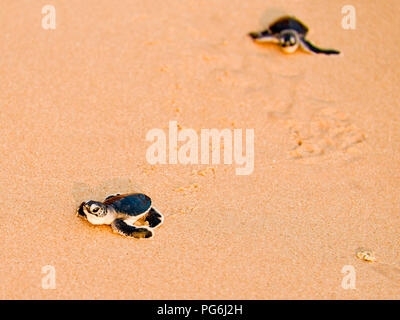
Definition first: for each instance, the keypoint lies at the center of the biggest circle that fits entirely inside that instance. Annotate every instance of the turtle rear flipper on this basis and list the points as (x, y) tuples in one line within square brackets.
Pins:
[(154, 218), (308, 46), (123, 228)]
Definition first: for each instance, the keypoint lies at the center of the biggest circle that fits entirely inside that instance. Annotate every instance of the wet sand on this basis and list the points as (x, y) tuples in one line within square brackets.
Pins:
[(76, 104)]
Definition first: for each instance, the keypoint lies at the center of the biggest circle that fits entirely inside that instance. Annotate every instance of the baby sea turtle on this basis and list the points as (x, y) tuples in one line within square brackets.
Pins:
[(121, 211), (289, 33)]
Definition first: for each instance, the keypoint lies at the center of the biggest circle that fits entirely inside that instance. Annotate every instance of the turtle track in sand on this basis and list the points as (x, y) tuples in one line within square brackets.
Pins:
[(328, 131)]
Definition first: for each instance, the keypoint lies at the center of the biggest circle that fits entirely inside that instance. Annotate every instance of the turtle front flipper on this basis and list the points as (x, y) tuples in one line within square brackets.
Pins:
[(309, 47), (79, 211), (263, 36), (154, 218), (123, 228)]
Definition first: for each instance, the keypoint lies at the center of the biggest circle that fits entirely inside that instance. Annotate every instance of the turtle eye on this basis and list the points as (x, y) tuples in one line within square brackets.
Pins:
[(94, 208)]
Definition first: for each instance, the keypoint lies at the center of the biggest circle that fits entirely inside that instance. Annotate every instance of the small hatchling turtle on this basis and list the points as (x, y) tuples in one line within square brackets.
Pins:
[(121, 211), (289, 33)]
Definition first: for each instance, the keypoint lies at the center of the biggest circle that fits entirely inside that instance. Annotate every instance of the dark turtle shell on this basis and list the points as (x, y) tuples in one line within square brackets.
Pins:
[(286, 23), (131, 204)]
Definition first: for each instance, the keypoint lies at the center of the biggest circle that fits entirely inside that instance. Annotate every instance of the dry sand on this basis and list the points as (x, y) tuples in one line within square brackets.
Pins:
[(76, 104)]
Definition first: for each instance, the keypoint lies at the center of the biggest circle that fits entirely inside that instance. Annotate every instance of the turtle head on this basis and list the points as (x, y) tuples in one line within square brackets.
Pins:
[(289, 40), (92, 208)]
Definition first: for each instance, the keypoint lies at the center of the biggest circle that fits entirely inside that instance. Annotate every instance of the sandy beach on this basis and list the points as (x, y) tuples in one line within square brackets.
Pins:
[(77, 102)]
